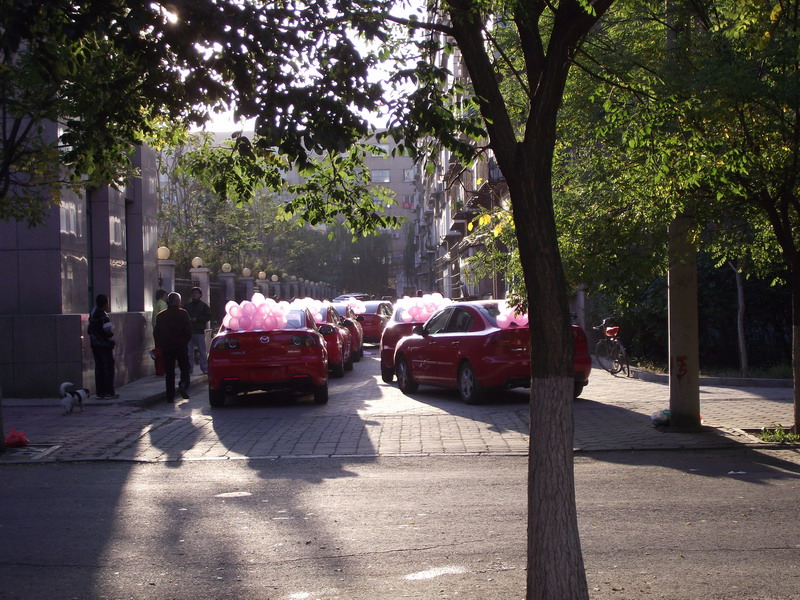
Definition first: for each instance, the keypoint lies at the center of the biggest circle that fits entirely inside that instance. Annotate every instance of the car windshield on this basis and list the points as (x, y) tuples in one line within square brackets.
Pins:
[(296, 319), (341, 309)]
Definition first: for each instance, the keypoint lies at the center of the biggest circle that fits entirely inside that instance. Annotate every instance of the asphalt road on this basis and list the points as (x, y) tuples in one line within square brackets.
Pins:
[(711, 524)]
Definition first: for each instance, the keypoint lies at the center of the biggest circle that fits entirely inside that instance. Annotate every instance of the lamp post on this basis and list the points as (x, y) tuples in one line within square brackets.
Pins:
[(228, 281), (248, 283), (166, 269), (200, 277)]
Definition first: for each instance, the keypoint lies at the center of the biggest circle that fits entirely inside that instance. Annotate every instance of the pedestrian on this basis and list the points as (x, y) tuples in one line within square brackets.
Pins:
[(161, 304), (172, 333), (199, 315), (101, 338), (155, 353)]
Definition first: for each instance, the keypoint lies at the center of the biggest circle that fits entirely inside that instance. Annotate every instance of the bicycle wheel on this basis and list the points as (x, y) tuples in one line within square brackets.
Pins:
[(625, 366), (617, 357), (603, 353)]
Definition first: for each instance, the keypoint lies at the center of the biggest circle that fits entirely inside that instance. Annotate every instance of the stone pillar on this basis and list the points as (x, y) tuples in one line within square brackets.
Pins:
[(248, 287), (684, 367), (200, 278), (166, 274), (228, 281)]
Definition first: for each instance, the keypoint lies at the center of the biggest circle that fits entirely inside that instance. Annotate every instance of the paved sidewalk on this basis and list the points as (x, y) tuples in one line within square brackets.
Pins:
[(366, 417)]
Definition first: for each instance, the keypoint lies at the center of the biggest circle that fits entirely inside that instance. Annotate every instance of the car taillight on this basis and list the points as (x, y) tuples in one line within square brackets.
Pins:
[(304, 340), (508, 341), (225, 343)]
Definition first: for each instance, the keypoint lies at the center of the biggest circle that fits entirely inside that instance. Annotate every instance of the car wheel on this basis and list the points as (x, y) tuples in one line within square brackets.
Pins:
[(321, 393), (469, 389), (338, 370), (578, 388), (387, 374), (358, 354), (216, 398), (348, 366), (405, 382)]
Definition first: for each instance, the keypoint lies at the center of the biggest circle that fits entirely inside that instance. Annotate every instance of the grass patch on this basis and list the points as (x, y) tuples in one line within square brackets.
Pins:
[(778, 435)]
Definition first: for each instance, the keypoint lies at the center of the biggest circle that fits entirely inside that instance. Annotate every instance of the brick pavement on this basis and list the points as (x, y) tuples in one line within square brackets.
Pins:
[(366, 417)]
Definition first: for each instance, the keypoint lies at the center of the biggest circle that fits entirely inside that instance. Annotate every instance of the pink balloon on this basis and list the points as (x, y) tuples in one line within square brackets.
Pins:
[(407, 318), (234, 323), (258, 322), (235, 311), (229, 304), (245, 322), (226, 321), (269, 322), (248, 308)]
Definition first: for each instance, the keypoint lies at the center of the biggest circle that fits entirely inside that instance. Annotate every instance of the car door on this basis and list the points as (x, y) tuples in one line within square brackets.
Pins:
[(449, 347), (426, 349)]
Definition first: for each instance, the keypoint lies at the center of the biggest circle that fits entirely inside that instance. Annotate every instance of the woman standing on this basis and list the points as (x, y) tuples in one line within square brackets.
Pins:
[(101, 337)]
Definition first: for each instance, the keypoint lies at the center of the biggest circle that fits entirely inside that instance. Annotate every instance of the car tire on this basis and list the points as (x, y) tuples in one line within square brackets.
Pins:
[(348, 366), (338, 370), (469, 389), (216, 398), (321, 393), (578, 389), (387, 374), (358, 354), (405, 382)]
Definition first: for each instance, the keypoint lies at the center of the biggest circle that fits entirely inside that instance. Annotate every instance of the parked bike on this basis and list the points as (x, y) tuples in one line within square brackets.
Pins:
[(610, 352)]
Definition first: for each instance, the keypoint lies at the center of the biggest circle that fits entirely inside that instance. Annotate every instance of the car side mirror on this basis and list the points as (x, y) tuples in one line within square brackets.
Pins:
[(419, 330), (326, 329), (360, 318)]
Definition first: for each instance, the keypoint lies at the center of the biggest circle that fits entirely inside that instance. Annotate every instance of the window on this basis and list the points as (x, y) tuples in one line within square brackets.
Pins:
[(380, 176), (409, 175), (438, 322), (460, 321)]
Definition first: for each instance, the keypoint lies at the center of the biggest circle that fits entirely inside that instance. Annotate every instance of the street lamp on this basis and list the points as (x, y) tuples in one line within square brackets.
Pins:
[(226, 267), (197, 262), (246, 272), (162, 253)]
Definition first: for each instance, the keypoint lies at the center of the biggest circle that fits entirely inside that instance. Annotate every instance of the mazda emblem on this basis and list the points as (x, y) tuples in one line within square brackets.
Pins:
[(264, 339)]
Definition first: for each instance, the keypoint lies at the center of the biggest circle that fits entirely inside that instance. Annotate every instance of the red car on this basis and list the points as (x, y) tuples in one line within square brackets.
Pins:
[(338, 339), (462, 346), (352, 321), (293, 357), (401, 324), (375, 316)]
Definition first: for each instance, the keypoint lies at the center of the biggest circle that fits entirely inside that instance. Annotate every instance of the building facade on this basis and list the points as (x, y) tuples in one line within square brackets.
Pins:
[(99, 242)]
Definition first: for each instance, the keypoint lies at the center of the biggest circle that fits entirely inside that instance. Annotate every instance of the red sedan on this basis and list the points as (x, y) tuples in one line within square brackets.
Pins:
[(338, 339), (402, 323), (353, 323), (374, 318), (292, 357), (463, 346)]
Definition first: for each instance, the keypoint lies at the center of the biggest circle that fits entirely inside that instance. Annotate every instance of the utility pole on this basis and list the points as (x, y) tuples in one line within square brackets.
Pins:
[(684, 355)]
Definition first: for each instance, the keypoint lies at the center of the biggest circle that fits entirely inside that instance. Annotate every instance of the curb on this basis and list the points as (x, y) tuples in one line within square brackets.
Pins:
[(720, 381)]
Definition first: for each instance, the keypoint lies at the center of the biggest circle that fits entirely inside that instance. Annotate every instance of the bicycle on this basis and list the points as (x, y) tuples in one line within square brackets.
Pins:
[(610, 352)]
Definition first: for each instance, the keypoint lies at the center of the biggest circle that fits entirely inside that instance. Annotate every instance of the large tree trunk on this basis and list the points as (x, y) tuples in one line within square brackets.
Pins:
[(555, 562)]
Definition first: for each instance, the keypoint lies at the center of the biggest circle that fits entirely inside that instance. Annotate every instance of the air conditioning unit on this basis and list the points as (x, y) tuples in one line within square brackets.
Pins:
[(395, 236)]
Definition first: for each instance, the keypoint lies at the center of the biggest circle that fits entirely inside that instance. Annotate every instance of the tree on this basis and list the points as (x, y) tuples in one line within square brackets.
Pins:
[(295, 68), (706, 124)]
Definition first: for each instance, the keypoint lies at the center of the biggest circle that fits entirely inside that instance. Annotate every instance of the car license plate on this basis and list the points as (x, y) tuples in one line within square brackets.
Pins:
[(269, 374)]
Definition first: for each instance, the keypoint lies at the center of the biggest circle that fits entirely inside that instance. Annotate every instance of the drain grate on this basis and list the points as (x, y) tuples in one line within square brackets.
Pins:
[(29, 452)]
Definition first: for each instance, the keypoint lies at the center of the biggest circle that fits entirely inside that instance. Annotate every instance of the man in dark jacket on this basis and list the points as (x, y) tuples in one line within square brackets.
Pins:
[(199, 315), (172, 333)]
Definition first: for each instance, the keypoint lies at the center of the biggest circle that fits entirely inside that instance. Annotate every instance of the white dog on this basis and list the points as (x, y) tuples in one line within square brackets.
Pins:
[(72, 398)]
